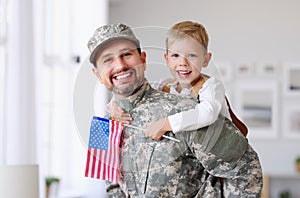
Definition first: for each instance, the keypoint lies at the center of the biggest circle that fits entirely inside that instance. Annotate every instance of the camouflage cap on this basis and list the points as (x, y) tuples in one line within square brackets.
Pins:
[(107, 33)]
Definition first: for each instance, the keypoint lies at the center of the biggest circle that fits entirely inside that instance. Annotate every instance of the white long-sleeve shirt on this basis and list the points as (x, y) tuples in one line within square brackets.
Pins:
[(211, 103)]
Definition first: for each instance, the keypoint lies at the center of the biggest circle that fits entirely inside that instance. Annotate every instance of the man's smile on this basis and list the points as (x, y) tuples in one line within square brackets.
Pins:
[(122, 76)]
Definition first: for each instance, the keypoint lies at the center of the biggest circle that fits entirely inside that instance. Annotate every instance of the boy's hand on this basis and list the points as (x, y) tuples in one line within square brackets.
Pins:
[(117, 113), (157, 129)]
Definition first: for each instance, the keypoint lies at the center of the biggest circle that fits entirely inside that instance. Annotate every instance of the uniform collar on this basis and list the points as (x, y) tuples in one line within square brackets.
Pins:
[(131, 101)]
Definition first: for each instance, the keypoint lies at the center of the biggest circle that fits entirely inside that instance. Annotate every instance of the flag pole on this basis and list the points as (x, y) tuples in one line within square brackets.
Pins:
[(165, 136)]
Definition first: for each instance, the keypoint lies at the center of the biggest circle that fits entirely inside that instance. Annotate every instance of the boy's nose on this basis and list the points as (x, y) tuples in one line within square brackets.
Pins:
[(183, 61)]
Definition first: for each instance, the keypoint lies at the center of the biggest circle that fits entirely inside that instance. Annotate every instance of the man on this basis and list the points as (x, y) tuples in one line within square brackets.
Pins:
[(165, 168)]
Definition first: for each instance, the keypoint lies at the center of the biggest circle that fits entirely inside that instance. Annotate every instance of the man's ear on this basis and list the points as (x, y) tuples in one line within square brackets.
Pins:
[(207, 59), (143, 57), (95, 71)]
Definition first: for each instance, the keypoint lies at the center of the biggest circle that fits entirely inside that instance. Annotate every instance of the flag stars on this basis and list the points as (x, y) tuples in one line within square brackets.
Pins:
[(99, 134)]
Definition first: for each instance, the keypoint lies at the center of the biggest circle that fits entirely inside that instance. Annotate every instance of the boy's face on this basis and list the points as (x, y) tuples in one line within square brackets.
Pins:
[(186, 58), (120, 67)]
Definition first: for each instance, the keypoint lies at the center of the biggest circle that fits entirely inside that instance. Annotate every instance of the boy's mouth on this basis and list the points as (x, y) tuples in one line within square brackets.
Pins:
[(184, 73)]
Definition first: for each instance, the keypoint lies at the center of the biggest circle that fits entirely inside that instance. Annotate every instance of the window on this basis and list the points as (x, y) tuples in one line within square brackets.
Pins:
[(52, 27), (66, 31), (2, 68), (58, 74)]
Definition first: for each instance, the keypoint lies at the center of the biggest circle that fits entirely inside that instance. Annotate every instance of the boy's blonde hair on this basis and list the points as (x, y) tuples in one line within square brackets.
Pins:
[(187, 29)]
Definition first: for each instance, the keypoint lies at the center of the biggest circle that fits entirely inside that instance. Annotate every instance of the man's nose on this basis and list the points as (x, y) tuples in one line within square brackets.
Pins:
[(119, 63)]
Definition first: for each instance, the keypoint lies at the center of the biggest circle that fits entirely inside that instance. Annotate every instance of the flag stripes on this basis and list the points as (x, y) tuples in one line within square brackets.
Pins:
[(103, 157)]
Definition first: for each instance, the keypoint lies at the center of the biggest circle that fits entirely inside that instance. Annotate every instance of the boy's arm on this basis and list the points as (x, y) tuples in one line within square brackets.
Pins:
[(211, 97), (118, 113), (115, 112), (157, 129)]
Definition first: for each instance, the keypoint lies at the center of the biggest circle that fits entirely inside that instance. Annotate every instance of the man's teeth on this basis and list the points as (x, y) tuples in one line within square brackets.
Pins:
[(122, 76), (184, 72)]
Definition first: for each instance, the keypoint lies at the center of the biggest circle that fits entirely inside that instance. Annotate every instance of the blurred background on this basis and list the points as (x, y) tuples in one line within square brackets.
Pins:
[(47, 89)]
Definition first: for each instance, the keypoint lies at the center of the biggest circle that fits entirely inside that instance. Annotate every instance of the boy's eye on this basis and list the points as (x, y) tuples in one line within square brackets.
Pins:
[(175, 55), (192, 55)]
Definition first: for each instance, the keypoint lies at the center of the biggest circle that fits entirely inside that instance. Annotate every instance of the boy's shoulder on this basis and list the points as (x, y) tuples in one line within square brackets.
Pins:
[(163, 85)]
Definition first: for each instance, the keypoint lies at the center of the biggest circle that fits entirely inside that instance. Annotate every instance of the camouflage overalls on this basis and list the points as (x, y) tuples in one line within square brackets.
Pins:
[(190, 168)]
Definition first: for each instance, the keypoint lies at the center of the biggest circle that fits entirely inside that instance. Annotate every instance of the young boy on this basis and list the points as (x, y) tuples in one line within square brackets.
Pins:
[(186, 55)]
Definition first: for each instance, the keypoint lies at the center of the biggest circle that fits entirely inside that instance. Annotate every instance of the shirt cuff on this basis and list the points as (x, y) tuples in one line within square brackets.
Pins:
[(175, 122)]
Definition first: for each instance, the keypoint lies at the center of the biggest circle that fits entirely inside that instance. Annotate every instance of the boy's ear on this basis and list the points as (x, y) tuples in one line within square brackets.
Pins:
[(166, 58), (207, 59)]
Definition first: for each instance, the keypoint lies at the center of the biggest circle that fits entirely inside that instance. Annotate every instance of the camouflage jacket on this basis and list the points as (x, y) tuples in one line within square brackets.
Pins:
[(166, 168)]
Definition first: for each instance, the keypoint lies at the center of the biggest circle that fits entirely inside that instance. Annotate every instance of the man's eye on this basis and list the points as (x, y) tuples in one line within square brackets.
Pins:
[(108, 60), (126, 54), (175, 55)]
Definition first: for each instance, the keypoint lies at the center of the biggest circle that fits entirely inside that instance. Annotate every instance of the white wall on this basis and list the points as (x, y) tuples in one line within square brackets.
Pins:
[(240, 31)]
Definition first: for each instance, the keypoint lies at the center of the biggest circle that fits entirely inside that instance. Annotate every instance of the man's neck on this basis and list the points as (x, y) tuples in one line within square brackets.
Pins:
[(128, 102), (122, 96)]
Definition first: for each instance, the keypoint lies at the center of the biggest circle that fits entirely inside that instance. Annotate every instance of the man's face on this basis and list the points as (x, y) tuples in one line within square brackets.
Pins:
[(120, 67)]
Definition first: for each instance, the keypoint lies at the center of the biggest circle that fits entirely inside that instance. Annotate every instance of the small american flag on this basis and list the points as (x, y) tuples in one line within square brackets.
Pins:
[(104, 149)]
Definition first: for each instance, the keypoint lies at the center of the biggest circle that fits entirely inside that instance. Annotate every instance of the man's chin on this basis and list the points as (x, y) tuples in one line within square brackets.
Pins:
[(128, 88), (124, 90)]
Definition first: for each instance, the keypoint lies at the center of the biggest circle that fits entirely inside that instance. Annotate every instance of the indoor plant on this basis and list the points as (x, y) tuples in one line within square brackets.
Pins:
[(297, 164), (49, 182)]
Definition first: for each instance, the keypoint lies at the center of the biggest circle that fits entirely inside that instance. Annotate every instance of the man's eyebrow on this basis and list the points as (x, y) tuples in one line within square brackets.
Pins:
[(106, 55), (120, 51), (127, 49)]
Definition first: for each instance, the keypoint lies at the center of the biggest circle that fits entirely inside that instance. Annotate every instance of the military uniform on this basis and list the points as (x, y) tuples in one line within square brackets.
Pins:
[(189, 168)]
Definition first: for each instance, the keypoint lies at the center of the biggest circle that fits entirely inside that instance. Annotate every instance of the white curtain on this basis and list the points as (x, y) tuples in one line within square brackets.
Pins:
[(20, 99), (26, 117)]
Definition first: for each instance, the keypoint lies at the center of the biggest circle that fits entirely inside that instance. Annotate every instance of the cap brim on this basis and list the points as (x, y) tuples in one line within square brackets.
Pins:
[(95, 52)]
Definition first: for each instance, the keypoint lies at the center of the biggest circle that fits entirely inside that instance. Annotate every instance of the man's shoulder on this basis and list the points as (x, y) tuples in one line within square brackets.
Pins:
[(161, 95), (162, 104), (162, 83)]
